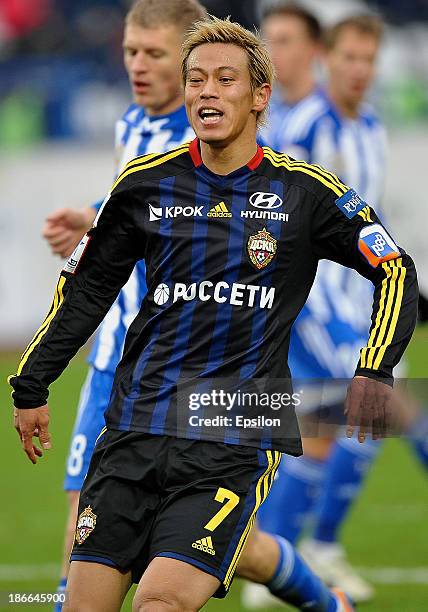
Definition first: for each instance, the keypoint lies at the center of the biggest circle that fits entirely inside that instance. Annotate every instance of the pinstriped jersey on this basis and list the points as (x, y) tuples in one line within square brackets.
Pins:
[(340, 300), (136, 134), (230, 262), (292, 127), (314, 130)]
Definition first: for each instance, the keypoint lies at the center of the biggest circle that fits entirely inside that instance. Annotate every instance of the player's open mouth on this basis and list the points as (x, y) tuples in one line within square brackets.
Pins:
[(140, 85), (210, 116)]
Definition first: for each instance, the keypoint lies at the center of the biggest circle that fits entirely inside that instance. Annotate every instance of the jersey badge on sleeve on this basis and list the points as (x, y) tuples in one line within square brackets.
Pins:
[(75, 257), (377, 245), (350, 203), (261, 248)]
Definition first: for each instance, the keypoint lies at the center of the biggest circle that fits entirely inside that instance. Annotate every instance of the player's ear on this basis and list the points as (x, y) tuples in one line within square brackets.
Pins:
[(261, 97)]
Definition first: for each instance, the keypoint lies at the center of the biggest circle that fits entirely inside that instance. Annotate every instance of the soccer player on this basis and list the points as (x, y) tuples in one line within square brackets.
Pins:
[(152, 44), (224, 287), (156, 122), (339, 131), (293, 35)]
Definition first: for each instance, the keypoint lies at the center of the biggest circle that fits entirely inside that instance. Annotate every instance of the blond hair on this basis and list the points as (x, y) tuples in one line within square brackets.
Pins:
[(370, 25), (214, 30), (156, 13)]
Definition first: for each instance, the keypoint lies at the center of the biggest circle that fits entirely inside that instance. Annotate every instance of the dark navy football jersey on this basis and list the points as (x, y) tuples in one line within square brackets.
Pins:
[(230, 262)]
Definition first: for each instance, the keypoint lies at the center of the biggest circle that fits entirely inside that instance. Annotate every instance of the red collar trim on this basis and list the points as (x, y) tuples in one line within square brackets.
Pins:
[(197, 159), (195, 153), (257, 159)]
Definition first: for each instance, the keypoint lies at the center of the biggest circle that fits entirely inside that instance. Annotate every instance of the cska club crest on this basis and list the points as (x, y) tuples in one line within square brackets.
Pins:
[(85, 525), (261, 248)]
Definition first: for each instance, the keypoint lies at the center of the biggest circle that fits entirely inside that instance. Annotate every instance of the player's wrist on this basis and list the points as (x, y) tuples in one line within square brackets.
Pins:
[(383, 377)]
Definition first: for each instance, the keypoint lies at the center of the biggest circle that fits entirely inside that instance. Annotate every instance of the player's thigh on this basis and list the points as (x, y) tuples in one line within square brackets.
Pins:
[(205, 520), (174, 584), (118, 502), (89, 423), (93, 587)]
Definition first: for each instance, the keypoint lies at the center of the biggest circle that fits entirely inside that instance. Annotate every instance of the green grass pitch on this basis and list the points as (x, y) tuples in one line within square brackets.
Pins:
[(388, 527)]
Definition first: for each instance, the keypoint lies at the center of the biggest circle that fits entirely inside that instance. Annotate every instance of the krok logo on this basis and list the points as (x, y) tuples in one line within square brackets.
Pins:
[(266, 201), (155, 213), (171, 212)]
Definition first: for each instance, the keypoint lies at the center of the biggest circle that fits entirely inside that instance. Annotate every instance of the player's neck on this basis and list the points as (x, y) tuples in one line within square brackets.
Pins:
[(223, 160), (302, 87), (167, 109), (346, 108)]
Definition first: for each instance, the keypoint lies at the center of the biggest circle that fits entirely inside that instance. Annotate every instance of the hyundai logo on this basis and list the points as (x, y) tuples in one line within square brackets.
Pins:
[(268, 201)]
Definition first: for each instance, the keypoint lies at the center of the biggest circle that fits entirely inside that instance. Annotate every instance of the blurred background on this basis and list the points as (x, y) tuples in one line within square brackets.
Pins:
[(62, 87)]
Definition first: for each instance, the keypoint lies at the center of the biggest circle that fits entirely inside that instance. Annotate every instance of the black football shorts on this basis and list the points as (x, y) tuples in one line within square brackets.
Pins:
[(149, 496)]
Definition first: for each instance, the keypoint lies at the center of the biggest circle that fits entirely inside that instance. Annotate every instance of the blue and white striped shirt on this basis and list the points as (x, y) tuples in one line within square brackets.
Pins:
[(355, 150), (136, 134)]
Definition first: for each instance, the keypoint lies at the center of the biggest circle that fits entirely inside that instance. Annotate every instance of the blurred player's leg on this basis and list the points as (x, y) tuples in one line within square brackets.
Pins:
[(70, 529), (346, 468), (173, 585), (417, 436), (292, 498), (93, 587), (273, 561), (414, 423), (89, 423)]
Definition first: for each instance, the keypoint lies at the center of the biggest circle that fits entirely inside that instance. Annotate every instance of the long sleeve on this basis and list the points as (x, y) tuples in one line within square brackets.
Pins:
[(346, 230), (87, 287)]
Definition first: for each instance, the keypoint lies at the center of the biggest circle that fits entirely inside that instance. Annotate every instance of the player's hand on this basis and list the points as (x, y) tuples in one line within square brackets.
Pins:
[(30, 423), (65, 227), (368, 407)]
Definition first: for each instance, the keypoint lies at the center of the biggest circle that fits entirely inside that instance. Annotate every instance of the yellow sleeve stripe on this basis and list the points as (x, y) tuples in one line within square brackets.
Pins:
[(365, 214), (306, 169), (143, 165), (386, 316), (322, 171), (329, 175), (57, 301), (389, 309), (374, 331), (262, 489), (142, 159), (396, 312)]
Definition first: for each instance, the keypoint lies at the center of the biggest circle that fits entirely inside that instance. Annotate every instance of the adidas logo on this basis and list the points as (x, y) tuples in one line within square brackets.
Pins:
[(219, 211), (205, 544)]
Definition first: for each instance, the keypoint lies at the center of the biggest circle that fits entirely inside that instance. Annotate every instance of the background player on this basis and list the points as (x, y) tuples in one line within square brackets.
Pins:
[(155, 122), (336, 130), (227, 106)]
